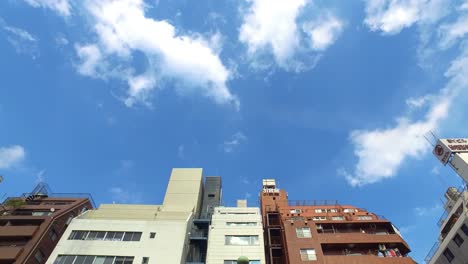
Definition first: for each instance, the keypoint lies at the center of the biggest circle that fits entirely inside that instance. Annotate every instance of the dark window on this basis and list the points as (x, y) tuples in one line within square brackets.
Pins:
[(211, 195), (449, 255), (465, 229), (118, 235), (52, 235), (109, 260), (128, 260), (136, 236), (92, 235), (39, 256), (145, 260), (152, 234), (110, 235), (69, 259), (100, 235), (88, 260), (79, 259), (128, 236), (119, 260), (458, 240), (59, 260)]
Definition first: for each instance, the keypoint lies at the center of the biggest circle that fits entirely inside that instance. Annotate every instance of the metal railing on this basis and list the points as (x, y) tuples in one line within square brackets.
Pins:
[(431, 253)]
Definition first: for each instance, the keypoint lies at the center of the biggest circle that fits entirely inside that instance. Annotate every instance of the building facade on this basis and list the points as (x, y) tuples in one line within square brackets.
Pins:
[(31, 225), (452, 245), (236, 232), (125, 234), (326, 232)]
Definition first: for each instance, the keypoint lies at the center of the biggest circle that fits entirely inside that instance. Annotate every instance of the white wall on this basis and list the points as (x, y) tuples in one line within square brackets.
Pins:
[(218, 251)]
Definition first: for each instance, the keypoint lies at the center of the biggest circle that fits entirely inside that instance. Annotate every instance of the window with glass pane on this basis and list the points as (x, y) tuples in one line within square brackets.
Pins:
[(109, 260), (59, 260), (79, 259), (119, 260), (69, 259), (464, 228), (99, 260), (241, 240), (92, 235), (118, 236), (337, 218), (128, 260), (145, 260), (318, 210), (448, 255), (364, 217), (128, 236), (458, 240), (241, 223), (110, 236), (308, 254), (136, 236), (303, 232)]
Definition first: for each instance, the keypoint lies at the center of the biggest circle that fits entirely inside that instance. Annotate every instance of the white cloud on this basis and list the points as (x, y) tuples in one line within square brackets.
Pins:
[(450, 33), (381, 152), (323, 32), (11, 156), (272, 25), (419, 101), (392, 16), (120, 195), (62, 7), (122, 28), (23, 41), (425, 211), (435, 170), (90, 57), (233, 142)]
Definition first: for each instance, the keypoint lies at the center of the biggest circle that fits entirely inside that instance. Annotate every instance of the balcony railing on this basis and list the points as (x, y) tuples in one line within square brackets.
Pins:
[(431, 253)]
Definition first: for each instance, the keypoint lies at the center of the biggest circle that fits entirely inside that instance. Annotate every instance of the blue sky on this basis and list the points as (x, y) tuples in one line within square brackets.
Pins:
[(332, 99)]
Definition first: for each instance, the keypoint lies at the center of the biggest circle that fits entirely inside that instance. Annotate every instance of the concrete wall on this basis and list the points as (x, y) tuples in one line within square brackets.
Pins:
[(184, 191), (218, 251)]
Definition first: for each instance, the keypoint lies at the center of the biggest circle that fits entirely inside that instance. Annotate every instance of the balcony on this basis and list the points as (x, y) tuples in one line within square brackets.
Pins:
[(9, 253), (342, 238), (199, 235), (367, 259), (17, 231)]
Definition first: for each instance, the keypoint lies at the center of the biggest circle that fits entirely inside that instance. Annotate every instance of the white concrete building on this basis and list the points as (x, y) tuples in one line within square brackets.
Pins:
[(234, 232), (126, 234), (452, 246)]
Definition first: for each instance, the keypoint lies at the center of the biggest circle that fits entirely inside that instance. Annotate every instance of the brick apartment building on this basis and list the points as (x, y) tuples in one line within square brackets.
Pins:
[(326, 232), (31, 225)]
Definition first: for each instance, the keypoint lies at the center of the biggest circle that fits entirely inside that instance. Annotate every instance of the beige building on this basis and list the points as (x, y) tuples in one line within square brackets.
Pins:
[(452, 246), (234, 232), (126, 234)]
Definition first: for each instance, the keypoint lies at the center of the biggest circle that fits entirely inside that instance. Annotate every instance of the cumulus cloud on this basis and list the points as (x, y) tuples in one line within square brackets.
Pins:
[(11, 156), (62, 7), (425, 211), (122, 29), (392, 16), (323, 32), (381, 152), (272, 27), (233, 142)]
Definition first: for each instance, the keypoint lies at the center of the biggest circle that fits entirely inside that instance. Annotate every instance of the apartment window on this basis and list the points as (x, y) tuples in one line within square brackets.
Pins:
[(241, 240), (145, 260), (52, 235), (152, 235), (211, 195), (308, 254), (295, 211), (235, 262), (337, 218), (364, 217), (319, 218), (458, 240), (89, 259), (241, 223), (39, 256), (349, 210), (303, 232), (70, 218), (319, 210), (332, 211), (40, 213), (105, 235), (464, 228), (448, 255)]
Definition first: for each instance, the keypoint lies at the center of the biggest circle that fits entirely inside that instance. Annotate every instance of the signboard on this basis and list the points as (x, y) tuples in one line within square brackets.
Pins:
[(445, 147)]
